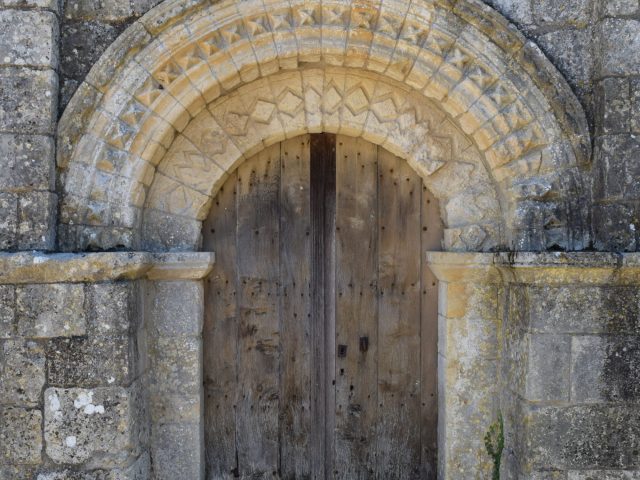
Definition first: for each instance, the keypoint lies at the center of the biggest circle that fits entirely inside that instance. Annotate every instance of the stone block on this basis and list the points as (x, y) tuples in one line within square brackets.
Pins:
[(635, 105), (614, 106), (29, 38), (112, 308), (615, 227), (584, 437), (617, 172), (81, 45), (95, 427), (51, 5), (517, 11), (91, 362), (566, 12), (605, 369), (584, 310), (176, 451), (604, 475), (176, 308), (17, 472), (55, 310), (28, 100), (175, 408), (7, 311), (176, 365), (570, 52), (107, 11), (8, 220), (620, 40), (138, 470), (20, 436), (28, 163), (615, 8), (544, 476), (22, 371), (163, 231), (37, 221), (549, 368)]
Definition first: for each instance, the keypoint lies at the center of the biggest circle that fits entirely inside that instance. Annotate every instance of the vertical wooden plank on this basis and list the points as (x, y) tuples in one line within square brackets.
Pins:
[(295, 309), (323, 149), (356, 308), (220, 336), (258, 191), (431, 226), (399, 253)]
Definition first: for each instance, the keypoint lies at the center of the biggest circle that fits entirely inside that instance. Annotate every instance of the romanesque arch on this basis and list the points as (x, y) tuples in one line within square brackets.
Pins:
[(190, 90)]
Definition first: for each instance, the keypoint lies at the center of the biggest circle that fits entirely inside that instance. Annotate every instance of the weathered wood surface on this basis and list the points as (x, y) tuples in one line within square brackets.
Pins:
[(258, 192), (356, 308), (313, 371), (295, 309), (399, 253), (220, 337)]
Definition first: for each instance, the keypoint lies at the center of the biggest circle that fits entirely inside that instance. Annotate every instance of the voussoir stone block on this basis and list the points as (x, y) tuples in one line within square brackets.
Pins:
[(20, 436), (21, 372), (28, 38), (95, 427), (28, 100), (55, 310)]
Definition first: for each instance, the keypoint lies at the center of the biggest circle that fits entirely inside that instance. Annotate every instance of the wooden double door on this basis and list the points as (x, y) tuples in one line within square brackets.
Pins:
[(320, 351)]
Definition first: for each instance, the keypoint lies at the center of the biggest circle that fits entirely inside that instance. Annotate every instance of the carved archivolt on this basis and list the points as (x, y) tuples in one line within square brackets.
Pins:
[(189, 91)]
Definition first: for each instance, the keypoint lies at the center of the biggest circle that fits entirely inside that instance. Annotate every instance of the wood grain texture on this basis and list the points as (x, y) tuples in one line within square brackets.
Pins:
[(356, 307), (399, 253), (258, 192), (320, 336), (295, 309), (323, 149), (220, 337)]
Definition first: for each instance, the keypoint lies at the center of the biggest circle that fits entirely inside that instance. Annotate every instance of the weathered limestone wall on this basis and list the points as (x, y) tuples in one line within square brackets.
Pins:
[(552, 342), (28, 111)]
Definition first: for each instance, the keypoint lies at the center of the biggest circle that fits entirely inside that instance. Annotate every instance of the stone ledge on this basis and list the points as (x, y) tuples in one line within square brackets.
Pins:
[(35, 267), (548, 268)]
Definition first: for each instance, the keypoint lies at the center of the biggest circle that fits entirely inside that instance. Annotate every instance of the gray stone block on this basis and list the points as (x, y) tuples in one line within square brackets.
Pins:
[(617, 171), (615, 8), (175, 408), (620, 43), (51, 5), (29, 38), (90, 426), (176, 308), (28, 163), (176, 365), (604, 475), (584, 310), (108, 11), (517, 11), (635, 104), (615, 227), (55, 310), (549, 368), (28, 100), (572, 12), (585, 437), (22, 372), (20, 436), (17, 472), (138, 470), (112, 308), (37, 221), (614, 106), (7, 311), (605, 369), (176, 451), (8, 220), (91, 362), (162, 231)]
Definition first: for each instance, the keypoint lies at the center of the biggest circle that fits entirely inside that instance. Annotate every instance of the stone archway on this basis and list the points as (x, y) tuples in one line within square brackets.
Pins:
[(452, 88), (191, 90)]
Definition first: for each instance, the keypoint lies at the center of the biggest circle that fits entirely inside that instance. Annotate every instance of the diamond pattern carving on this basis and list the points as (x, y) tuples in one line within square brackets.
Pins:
[(290, 103), (388, 26), (357, 101), (305, 16), (263, 111)]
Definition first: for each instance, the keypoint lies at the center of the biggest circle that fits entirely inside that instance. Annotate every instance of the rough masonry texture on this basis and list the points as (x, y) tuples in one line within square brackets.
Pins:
[(121, 119)]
